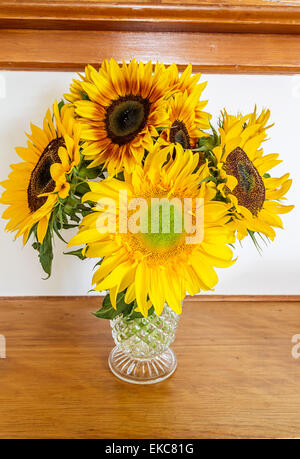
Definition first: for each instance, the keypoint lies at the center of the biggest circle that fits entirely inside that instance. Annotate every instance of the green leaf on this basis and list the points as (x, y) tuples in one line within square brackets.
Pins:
[(254, 240), (32, 231), (211, 178), (45, 252), (120, 176), (204, 148), (89, 173), (109, 312), (60, 105), (216, 135), (82, 189), (86, 212), (137, 315), (57, 232), (264, 238), (76, 253), (220, 122), (60, 215), (208, 143), (84, 95), (98, 263), (36, 245), (69, 226)]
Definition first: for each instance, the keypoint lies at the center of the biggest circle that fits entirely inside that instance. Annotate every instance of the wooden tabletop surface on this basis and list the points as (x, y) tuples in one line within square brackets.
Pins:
[(236, 376)]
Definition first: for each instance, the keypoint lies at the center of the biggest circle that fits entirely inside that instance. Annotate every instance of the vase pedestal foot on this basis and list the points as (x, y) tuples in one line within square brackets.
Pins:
[(142, 371)]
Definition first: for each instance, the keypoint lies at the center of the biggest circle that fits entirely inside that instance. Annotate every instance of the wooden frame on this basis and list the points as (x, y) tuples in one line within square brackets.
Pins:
[(260, 37), (251, 16)]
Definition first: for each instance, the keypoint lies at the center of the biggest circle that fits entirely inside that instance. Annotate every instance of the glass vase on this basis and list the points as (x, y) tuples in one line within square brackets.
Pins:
[(142, 354)]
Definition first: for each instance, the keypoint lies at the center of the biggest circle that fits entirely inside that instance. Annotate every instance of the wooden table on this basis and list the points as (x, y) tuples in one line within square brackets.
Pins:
[(236, 376)]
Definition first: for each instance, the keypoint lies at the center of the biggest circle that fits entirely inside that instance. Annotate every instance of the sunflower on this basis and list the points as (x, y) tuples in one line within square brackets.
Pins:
[(35, 185), (184, 82), (120, 110), (155, 267), (243, 170), (187, 119), (77, 92)]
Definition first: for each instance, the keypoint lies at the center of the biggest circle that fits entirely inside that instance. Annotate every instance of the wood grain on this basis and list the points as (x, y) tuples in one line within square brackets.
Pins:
[(196, 2), (215, 53), (191, 299), (244, 298), (273, 3), (250, 16), (236, 377)]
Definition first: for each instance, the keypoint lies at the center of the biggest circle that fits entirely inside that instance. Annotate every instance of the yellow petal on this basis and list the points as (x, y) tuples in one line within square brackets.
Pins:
[(42, 228), (141, 291)]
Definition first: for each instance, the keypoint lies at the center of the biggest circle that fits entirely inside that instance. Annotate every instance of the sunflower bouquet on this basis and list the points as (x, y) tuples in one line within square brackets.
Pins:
[(159, 195)]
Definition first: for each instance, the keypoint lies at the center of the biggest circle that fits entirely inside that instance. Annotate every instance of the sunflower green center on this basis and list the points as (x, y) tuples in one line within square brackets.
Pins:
[(179, 134), (126, 117), (250, 190), (41, 181), (165, 227)]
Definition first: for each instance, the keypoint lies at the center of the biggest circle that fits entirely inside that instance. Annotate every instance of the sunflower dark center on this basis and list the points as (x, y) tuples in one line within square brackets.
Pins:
[(250, 190), (179, 134), (126, 117), (41, 180)]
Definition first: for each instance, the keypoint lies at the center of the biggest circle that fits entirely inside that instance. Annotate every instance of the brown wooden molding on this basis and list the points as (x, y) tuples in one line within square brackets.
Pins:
[(195, 299), (196, 16), (210, 53)]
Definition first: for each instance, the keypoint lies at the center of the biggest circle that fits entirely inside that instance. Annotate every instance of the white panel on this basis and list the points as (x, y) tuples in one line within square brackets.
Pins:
[(25, 96)]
